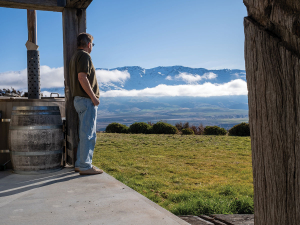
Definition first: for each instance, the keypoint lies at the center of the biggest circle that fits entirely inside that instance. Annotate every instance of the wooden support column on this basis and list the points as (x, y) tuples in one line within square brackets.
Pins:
[(74, 22), (31, 24), (33, 58), (273, 79)]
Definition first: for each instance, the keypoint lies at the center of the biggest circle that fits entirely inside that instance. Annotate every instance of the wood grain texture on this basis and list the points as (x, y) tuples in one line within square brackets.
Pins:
[(31, 24), (74, 22), (273, 78), (79, 4), (47, 5), (281, 18)]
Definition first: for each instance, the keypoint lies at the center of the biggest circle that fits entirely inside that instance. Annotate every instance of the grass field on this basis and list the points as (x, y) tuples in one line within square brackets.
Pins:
[(187, 175)]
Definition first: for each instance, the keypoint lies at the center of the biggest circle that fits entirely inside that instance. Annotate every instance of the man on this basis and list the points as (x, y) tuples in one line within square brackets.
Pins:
[(85, 92)]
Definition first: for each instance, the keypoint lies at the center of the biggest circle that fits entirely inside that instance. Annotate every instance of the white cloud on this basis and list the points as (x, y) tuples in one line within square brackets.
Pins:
[(54, 78), (234, 87), (50, 78), (108, 76), (193, 79), (169, 78), (15, 79), (209, 76), (46, 93), (188, 78), (240, 75)]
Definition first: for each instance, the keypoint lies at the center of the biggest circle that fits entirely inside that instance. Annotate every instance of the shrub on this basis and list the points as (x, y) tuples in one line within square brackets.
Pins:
[(11, 91), (241, 129), (140, 128), (186, 125), (198, 130), (164, 128), (116, 128), (187, 131), (201, 129), (150, 123), (194, 129), (181, 126), (214, 130)]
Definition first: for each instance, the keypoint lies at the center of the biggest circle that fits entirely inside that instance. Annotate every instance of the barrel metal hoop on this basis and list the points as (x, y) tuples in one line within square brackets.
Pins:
[(51, 127), (36, 108), (22, 113), (37, 153), (4, 151)]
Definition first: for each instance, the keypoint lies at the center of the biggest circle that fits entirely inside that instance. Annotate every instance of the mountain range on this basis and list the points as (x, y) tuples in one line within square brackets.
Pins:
[(141, 78), (224, 110)]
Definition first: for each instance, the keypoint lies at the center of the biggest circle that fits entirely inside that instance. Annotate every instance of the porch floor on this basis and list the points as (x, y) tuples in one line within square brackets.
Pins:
[(65, 197)]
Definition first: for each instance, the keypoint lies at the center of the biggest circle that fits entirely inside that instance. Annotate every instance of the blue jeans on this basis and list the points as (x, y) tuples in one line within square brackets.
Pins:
[(87, 113)]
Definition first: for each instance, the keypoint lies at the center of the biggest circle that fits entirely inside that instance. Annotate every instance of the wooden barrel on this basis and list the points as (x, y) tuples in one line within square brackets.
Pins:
[(6, 106), (36, 139)]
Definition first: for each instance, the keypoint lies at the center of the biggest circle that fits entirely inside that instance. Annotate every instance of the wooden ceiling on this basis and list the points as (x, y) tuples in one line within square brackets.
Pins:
[(46, 5)]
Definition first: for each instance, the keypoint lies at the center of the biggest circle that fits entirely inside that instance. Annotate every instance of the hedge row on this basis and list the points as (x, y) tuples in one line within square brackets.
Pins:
[(142, 128), (241, 129)]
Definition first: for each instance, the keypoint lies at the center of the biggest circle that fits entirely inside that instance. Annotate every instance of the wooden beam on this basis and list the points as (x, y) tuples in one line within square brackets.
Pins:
[(281, 18), (47, 5), (79, 4), (74, 22)]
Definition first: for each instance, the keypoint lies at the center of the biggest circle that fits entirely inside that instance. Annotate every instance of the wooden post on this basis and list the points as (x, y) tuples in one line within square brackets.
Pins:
[(31, 24), (272, 57), (33, 58), (74, 22)]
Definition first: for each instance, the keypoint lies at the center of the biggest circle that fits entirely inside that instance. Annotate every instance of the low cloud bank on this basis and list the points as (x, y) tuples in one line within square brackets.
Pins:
[(50, 78), (234, 87), (108, 76), (54, 77)]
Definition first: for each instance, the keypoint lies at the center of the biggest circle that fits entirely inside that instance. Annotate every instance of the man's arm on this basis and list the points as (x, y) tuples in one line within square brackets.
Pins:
[(85, 84)]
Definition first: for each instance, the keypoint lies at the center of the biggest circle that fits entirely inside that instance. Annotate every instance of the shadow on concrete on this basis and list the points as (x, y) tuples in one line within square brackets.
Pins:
[(4, 174), (11, 184)]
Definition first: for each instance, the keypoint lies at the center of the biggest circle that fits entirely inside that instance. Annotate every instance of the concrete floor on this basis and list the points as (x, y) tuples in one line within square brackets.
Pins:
[(65, 197)]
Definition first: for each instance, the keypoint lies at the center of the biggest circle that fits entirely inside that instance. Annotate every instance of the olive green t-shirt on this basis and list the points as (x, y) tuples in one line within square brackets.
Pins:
[(81, 62)]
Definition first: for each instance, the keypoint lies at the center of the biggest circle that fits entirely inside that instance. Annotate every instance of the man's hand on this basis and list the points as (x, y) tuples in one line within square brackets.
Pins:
[(96, 101)]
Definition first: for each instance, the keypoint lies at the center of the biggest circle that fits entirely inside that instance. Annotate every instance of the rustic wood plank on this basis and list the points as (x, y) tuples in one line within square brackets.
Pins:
[(31, 24), (3, 128), (273, 78), (279, 17), (74, 22), (79, 4), (47, 5)]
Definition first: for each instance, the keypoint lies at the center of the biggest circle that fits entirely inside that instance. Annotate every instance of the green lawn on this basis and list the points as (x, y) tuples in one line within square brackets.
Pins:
[(185, 174)]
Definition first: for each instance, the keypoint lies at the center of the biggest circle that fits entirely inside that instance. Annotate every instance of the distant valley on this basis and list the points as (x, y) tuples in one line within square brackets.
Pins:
[(222, 111)]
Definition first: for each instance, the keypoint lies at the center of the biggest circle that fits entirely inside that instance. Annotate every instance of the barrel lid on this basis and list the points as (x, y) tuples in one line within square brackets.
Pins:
[(36, 108)]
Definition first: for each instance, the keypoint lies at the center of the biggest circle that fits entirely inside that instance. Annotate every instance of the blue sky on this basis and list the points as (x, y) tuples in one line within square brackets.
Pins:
[(148, 33)]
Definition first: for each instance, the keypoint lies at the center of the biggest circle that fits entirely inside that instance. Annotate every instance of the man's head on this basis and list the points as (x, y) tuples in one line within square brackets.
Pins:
[(85, 42)]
